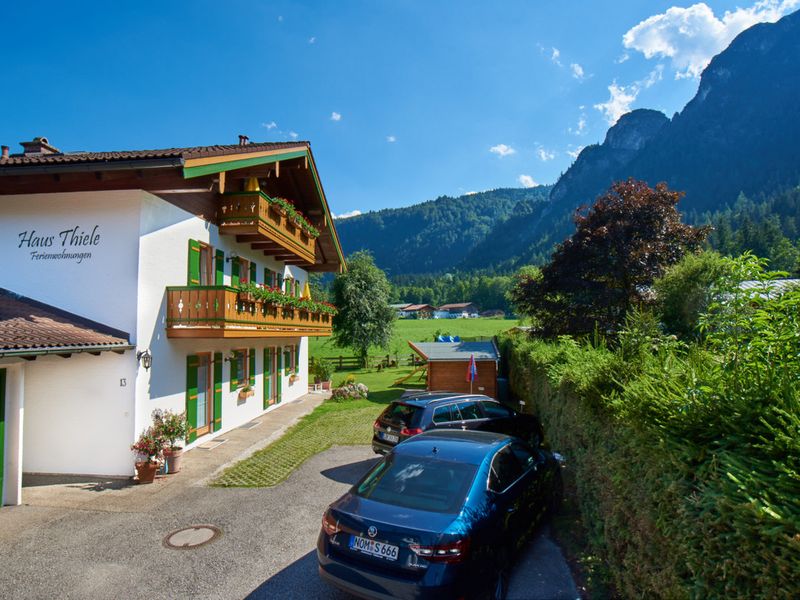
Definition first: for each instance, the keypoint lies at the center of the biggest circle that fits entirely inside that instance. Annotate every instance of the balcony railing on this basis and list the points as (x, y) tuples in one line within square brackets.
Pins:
[(217, 312), (254, 213)]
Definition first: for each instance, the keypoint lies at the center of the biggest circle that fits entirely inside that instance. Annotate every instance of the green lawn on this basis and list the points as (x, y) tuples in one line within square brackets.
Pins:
[(350, 422), (419, 330), (331, 423)]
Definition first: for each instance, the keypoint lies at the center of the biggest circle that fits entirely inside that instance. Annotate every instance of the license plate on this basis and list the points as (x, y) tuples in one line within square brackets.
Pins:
[(374, 548), (389, 437)]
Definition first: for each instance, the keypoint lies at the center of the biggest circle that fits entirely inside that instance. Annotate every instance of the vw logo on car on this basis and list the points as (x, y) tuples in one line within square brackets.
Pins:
[(372, 531)]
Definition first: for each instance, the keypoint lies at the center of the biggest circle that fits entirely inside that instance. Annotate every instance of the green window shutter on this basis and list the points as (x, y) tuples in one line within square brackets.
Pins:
[(194, 263), (235, 265), (267, 278), (234, 383), (217, 391), (297, 359), (2, 428), (287, 360), (191, 398), (252, 370), (278, 376), (279, 281), (219, 268), (253, 270), (267, 375)]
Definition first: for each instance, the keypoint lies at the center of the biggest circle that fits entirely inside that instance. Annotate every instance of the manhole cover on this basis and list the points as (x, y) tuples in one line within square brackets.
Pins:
[(192, 537)]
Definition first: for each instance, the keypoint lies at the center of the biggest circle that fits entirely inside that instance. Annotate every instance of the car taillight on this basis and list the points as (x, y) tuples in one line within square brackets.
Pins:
[(408, 432), (329, 524), (446, 553), (376, 424)]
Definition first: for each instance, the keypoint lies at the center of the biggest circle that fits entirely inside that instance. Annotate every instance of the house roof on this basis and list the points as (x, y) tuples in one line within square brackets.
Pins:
[(31, 327), (415, 307), (456, 351), (773, 286), (125, 155), (456, 306), (400, 306)]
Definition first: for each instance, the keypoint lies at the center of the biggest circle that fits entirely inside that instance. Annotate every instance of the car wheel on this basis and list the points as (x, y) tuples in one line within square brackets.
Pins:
[(502, 572)]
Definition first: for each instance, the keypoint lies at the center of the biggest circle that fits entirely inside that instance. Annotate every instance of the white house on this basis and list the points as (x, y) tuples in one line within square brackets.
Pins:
[(114, 262)]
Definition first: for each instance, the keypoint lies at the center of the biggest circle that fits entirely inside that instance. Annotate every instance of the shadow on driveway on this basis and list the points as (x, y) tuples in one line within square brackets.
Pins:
[(300, 581), (350, 473)]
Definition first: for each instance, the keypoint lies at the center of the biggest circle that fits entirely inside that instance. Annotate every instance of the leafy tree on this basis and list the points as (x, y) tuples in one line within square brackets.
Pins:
[(683, 293), (625, 241), (365, 318), (523, 287)]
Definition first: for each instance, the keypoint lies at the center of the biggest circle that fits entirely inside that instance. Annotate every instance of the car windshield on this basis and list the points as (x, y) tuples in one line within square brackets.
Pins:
[(418, 483), (397, 412)]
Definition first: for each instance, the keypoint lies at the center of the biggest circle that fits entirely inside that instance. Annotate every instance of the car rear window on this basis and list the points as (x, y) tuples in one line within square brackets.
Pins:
[(398, 412), (442, 414), (469, 411), (419, 483), (495, 410)]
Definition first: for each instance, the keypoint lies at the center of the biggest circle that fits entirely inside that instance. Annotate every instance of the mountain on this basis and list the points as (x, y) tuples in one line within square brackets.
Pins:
[(438, 235), (740, 133)]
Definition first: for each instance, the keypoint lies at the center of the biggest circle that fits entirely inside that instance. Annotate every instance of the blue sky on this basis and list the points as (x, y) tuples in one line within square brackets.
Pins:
[(402, 101)]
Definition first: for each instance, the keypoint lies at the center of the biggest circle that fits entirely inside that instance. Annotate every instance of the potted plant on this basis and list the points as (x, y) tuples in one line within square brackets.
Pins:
[(149, 448), (245, 392), (173, 428), (322, 373), (247, 292)]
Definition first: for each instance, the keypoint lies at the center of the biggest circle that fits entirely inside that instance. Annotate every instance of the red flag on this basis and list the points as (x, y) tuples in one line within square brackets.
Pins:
[(472, 369)]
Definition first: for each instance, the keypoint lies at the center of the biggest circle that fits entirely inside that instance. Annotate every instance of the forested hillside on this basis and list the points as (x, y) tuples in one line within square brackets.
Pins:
[(438, 235)]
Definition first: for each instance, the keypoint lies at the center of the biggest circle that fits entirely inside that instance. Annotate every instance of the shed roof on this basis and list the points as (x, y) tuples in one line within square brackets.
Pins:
[(456, 306), (456, 351), (31, 327)]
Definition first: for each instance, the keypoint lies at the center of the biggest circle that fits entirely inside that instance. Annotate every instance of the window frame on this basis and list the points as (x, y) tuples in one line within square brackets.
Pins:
[(244, 353), (522, 471)]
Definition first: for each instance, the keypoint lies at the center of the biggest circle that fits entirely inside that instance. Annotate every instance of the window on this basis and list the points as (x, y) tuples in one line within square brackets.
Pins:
[(201, 265), (443, 414), (419, 483), (288, 360), (469, 410), (495, 410), (525, 457), (505, 470), (404, 415), (240, 375), (244, 270)]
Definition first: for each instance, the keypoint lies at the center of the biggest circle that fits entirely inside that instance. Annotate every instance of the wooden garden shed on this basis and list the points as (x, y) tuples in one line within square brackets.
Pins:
[(448, 364)]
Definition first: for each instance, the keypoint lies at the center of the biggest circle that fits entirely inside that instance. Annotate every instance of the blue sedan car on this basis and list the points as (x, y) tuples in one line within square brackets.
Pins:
[(441, 516)]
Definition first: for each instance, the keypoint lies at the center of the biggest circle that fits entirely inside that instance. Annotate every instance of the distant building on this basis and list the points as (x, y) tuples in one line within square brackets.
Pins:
[(460, 310), (418, 311), (496, 313), (399, 309), (448, 364)]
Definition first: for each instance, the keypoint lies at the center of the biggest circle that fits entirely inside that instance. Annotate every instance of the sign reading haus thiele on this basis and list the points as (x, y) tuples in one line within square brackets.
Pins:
[(74, 244)]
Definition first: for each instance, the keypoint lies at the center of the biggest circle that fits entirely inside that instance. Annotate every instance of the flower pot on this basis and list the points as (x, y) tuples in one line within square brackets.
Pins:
[(173, 458), (146, 471), (246, 297)]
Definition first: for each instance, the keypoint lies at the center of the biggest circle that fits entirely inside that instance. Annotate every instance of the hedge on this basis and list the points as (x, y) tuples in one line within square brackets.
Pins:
[(687, 466)]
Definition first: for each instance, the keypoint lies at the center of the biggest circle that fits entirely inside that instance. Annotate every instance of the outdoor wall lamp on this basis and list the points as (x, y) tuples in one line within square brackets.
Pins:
[(145, 359), (231, 257)]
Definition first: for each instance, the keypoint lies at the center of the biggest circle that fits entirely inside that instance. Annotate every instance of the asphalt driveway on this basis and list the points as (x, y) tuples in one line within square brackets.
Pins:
[(266, 549)]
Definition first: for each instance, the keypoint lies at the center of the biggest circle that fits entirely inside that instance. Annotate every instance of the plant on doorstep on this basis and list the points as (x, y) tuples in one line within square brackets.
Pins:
[(149, 448), (173, 427)]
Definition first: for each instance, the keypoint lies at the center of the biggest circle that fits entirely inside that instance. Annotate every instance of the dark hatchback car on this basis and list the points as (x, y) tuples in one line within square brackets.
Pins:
[(416, 413), (441, 516)]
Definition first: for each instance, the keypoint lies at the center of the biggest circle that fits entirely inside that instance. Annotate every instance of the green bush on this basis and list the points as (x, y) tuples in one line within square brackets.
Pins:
[(686, 458)]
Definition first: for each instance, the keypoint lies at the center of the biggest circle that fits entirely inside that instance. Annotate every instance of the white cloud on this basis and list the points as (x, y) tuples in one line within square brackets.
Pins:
[(270, 125), (471, 193), (347, 215), (312, 39), (545, 155), (502, 150), (619, 102), (580, 128), (293, 135), (574, 153), (554, 56), (691, 36), (336, 116), (526, 181), (623, 57), (577, 71), (652, 78), (391, 139)]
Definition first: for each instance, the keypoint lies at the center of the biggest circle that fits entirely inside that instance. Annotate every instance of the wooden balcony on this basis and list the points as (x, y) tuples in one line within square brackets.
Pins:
[(217, 312), (253, 218)]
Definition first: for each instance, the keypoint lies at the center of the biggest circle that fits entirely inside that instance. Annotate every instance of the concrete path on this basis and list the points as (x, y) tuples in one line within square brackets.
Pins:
[(102, 539)]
